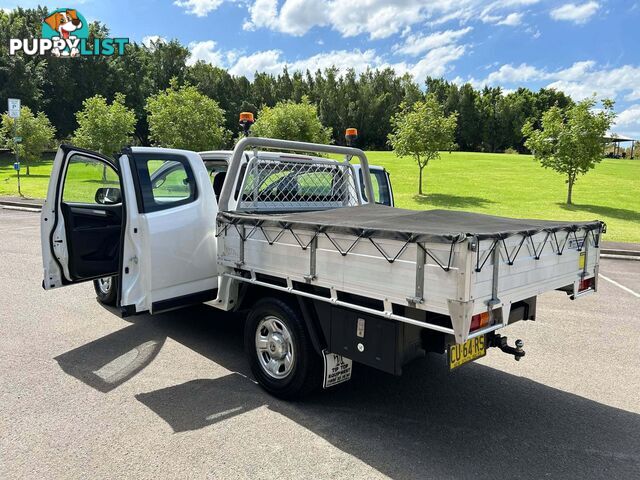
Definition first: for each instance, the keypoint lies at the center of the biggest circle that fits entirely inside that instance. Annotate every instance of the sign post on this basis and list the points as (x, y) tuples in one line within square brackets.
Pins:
[(14, 112), (16, 167), (14, 107)]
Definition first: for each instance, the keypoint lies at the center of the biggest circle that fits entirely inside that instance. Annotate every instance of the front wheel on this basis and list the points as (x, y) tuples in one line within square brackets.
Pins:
[(280, 352), (106, 290)]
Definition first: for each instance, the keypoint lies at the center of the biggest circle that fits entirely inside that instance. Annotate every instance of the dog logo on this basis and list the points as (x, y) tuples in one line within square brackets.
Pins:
[(67, 25), (65, 34)]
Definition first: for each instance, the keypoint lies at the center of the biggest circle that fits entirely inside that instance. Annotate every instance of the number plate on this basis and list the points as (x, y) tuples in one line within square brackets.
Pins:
[(337, 369), (466, 352)]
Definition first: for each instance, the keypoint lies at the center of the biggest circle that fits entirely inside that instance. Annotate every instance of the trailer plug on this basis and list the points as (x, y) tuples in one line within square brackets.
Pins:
[(501, 342)]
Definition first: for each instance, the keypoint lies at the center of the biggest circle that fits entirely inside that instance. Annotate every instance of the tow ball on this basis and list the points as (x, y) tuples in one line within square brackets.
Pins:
[(499, 341)]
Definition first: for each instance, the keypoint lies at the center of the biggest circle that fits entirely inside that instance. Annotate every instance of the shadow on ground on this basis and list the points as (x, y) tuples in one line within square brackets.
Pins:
[(619, 213), (451, 201), (477, 422)]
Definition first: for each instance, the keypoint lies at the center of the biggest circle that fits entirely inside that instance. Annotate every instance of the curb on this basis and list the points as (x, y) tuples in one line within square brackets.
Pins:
[(25, 204), (21, 209), (617, 254), (620, 252)]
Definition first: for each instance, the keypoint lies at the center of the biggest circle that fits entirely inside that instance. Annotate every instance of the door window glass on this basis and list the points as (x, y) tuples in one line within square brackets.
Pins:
[(381, 187), (166, 181), (169, 181), (381, 192), (85, 176)]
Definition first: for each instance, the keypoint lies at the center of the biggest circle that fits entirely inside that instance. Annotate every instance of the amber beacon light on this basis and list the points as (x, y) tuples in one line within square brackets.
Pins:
[(246, 120), (351, 135)]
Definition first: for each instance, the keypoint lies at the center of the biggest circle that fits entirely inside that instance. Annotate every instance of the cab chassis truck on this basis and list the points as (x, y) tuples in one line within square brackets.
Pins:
[(326, 278)]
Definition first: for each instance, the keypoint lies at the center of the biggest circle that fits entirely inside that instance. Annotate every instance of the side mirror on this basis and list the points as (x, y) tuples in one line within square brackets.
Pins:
[(108, 196)]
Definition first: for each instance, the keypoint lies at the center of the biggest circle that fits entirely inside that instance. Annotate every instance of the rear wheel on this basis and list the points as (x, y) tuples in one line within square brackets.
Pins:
[(106, 290), (280, 352)]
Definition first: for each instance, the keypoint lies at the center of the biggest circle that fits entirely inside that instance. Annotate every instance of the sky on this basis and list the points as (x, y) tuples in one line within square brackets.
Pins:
[(581, 47)]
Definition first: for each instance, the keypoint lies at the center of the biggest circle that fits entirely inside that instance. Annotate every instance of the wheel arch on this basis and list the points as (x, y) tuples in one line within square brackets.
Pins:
[(310, 310)]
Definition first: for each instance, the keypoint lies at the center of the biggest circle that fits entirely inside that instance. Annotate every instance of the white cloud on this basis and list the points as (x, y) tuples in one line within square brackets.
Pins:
[(376, 18), (511, 20), (580, 80), (264, 13), (630, 116), (575, 13), (585, 81), (435, 63), (417, 43), (628, 122), (268, 61), (342, 59), (494, 12), (575, 72), (534, 32), (296, 17), (199, 8), (513, 74), (486, 18), (205, 51), (149, 40), (271, 61), (513, 3)]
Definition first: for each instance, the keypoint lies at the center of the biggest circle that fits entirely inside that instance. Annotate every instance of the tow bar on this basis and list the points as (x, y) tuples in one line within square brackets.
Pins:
[(499, 341)]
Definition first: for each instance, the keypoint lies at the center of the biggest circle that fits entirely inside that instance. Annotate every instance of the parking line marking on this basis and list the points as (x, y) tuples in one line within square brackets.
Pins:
[(635, 294)]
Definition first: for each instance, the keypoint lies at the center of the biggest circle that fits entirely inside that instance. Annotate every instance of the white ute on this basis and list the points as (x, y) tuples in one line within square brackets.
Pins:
[(327, 274)]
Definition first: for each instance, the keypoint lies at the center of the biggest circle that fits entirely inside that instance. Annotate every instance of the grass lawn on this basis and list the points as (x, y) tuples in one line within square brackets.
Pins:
[(33, 186), (517, 186), (496, 184)]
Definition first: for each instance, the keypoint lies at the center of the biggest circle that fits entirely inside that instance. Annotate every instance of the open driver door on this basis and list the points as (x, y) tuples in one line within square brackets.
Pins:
[(147, 218)]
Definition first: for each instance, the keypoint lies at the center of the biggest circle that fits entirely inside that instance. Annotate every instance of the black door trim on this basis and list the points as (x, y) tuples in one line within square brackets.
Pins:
[(66, 148)]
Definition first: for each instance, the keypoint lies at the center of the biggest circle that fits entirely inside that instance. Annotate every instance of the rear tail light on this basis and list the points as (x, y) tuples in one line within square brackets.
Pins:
[(480, 320), (586, 284)]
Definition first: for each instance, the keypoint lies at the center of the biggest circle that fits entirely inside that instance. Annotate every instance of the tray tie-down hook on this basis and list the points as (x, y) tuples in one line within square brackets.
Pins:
[(497, 340)]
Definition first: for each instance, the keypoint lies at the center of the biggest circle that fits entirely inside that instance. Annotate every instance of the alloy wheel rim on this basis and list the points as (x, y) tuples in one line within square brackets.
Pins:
[(274, 347), (105, 285)]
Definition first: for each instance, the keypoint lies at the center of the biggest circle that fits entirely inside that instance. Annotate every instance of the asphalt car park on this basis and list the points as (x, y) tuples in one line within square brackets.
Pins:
[(85, 393)]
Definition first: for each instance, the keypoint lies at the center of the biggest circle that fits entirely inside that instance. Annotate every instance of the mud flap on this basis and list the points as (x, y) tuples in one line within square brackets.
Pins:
[(337, 369)]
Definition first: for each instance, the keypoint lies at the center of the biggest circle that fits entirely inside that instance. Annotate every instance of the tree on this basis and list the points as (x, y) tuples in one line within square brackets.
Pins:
[(36, 131), (489, 119), (231, 94), (182, 117), (570, 141), (132, 77), (291, 121), (103, 127), (167, 61), (421, 131), (22, 76)]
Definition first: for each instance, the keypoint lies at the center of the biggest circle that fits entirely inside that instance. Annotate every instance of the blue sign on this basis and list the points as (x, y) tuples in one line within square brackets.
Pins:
[(16, 166)]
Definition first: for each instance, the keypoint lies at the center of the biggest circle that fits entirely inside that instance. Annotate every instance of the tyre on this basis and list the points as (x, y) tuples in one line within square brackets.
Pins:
[(281, 355), (106, 290)]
